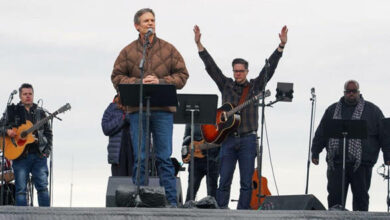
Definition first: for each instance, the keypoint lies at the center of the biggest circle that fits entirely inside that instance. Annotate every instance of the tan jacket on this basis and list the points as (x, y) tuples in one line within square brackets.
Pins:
[(162, 60)]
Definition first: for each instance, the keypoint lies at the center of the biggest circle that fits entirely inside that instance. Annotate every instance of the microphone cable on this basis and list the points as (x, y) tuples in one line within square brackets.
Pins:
[(270, 158)]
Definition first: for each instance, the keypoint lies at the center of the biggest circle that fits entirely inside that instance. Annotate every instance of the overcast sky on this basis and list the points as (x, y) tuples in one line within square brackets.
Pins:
[(67, 49)]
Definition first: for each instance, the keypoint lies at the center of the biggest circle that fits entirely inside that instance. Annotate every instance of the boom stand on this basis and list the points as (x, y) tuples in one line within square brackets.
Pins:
[(199, 109), (156, 95), (51, 174), (313, 100), (356, 129), (259, 149), (3, 132), (386, 133)]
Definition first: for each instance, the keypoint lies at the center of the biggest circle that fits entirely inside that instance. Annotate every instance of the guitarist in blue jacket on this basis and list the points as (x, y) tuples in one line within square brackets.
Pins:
[(240, 145)]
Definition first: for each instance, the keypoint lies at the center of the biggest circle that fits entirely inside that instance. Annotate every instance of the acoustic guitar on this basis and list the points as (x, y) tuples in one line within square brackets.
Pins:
[(15, 147), (264, 191), (227, 120), (198, 147)]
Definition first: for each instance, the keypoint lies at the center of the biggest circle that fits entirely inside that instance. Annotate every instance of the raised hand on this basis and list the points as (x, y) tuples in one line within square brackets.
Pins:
[(197, 34), (283, 35), (197, 38)]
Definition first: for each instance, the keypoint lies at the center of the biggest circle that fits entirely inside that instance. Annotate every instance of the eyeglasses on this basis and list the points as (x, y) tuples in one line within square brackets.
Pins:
[(354, 91), (239, 71)]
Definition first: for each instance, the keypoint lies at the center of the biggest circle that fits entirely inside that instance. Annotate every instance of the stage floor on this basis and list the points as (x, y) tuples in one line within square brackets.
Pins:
[(37, 213)]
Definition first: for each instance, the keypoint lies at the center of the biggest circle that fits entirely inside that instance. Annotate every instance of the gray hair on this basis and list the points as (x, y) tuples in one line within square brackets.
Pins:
[(351, 81), (140, 13)]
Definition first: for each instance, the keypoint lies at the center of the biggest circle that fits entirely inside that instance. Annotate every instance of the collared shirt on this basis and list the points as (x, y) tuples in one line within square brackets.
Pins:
[(231, 91)]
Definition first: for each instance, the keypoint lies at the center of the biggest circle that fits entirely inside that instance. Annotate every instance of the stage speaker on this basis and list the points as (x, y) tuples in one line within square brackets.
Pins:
[(292, 202), (115, 182)]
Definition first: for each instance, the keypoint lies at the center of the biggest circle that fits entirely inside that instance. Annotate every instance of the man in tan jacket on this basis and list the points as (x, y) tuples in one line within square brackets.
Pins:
[(163, 65)]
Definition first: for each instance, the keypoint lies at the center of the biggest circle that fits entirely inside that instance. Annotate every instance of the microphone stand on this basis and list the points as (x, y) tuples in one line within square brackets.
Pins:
[(386, 177), (51, 159), (313, 100), (260, 148), (4, 131), (141, 67)]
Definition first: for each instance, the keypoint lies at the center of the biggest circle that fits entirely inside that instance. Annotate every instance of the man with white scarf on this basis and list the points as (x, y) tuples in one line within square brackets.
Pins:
[(361, 154)]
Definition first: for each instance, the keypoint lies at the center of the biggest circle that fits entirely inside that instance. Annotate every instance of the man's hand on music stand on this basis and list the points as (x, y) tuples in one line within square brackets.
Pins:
[(150, 79)]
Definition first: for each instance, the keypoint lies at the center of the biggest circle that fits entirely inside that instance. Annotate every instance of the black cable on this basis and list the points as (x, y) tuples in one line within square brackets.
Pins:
[(270, 158)]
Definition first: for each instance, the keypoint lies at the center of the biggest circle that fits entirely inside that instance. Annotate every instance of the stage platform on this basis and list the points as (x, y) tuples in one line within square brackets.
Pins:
[(37, 213)]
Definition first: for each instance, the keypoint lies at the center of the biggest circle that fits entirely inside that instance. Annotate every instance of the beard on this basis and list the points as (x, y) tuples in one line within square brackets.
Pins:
[(350, 101)]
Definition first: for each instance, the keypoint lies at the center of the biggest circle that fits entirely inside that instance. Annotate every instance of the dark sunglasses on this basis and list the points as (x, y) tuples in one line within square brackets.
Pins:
[(354, 91)]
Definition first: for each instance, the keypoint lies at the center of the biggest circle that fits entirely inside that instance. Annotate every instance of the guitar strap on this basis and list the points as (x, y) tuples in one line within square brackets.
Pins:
[(244, 94)]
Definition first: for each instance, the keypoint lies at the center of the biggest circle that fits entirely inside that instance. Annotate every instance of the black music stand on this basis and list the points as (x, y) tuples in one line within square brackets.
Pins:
[(156, 95), (336, 128), (195, 109)]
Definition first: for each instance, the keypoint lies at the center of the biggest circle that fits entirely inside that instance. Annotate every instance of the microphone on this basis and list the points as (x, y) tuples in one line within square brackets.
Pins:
[(11, 96), (150, 32), (313, 93)]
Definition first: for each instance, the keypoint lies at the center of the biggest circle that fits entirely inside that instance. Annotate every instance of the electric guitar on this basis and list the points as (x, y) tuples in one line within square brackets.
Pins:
[(15, 147), (198, 147), (227, 120)]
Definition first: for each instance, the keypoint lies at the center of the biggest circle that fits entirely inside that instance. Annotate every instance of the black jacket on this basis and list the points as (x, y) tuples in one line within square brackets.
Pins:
[(371, 146), (17, 115)]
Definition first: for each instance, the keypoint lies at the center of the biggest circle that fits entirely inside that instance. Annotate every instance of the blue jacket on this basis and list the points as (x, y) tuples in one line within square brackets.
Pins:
[(113, 122)]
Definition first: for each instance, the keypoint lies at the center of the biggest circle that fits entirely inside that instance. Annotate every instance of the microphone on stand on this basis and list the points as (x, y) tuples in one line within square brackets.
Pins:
[(150, 32), (313, 94), (11, 97)]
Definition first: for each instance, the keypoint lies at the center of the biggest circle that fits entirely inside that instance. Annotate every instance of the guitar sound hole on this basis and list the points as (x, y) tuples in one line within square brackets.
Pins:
[(254, 184), (23, 134)]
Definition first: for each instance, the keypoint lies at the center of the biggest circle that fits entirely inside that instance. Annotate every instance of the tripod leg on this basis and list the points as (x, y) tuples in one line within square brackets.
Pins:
[(388, 188)]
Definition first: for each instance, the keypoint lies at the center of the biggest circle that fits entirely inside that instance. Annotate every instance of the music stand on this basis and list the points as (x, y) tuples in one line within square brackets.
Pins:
[(386, 134), (156, 95), (336, 128), (195, 109)]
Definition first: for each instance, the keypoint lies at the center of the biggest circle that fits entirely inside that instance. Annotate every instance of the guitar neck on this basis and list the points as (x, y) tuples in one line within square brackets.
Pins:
[(46, 119), (206, 146), (243, 105), (39, 124)]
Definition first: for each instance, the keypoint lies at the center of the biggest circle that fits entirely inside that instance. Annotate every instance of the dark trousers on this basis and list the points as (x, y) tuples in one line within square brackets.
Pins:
[(126, 160), (242, 150), (360, 182), (202, 169)]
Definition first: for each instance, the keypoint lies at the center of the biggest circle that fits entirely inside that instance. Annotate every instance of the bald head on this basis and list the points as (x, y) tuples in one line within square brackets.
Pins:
[(351, 92)]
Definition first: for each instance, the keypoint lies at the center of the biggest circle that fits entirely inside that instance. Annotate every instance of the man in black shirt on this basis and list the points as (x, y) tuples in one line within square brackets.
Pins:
[(34, 158), (206, 166), (361, 154)]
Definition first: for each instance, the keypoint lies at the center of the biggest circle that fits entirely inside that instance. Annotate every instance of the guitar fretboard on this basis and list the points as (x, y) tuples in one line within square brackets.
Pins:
[(247, 102), (36, 126)]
